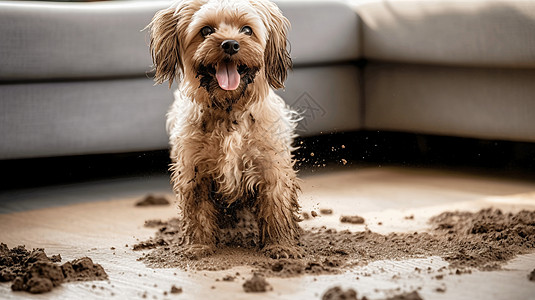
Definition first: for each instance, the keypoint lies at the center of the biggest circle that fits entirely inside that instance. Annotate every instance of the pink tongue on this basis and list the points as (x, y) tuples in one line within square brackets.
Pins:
[(227, 76)]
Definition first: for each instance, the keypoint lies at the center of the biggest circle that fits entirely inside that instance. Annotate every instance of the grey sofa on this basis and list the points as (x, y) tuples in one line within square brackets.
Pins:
[(74, 76)]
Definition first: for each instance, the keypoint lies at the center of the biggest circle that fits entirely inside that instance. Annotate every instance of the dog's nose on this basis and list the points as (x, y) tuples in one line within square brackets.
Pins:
[(230, 46)]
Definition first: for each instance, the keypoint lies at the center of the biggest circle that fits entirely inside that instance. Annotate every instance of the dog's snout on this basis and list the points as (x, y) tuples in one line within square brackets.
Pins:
[(230, 46)]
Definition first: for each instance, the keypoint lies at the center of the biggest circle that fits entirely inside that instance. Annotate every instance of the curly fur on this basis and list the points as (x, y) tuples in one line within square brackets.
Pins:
[(229, 148)]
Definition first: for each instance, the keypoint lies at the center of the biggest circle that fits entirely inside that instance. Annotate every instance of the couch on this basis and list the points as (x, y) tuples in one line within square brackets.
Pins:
[(75, 77)]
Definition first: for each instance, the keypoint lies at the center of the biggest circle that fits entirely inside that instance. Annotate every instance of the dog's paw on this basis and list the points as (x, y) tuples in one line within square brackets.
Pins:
[(278, 251), (197, 251)]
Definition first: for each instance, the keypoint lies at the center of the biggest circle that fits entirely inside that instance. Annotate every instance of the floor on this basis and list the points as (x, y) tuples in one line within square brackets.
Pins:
[(89, 219)]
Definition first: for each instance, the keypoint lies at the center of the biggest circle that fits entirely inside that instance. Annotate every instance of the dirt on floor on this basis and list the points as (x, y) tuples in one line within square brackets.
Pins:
[(483, 240), (34, 272)]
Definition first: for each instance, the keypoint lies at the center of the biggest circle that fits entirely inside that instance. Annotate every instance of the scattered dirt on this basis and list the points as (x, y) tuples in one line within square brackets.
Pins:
[(313, 214), (151, 200), (336, 293), (483, 240), (34, 272), (531, 276), (256, 284), (352, 219)]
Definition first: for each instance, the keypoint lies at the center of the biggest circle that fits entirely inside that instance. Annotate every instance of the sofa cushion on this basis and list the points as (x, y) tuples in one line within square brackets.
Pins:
[(470, 32), (82, 117), (322, 31), (42, 40), (50, 40), (449, 100)]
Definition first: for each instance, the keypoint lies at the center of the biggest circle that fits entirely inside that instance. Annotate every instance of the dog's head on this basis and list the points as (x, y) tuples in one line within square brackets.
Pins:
[(220, 46)]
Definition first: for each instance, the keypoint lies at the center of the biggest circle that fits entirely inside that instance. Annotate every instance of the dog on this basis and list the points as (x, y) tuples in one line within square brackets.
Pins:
[(230, 135)]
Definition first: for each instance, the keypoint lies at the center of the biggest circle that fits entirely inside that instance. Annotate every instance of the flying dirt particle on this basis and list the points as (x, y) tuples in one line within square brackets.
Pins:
[(314, 213), (256, 284), (344, 162), (352, 219), (411, 217), (305, 216), (343, 146), (311, 153)]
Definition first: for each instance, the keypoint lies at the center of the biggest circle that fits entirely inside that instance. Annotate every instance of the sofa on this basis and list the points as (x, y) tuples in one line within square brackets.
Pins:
[(75, 78)]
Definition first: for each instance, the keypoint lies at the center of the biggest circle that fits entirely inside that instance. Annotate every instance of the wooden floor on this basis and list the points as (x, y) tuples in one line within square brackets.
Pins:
[(89, 219)]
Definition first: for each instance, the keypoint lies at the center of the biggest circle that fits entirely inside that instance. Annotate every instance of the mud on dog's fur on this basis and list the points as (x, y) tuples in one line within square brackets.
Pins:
[(230, 134)]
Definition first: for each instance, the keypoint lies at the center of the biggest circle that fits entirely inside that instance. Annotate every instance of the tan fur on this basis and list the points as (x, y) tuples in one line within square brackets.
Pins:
[(229, 147)]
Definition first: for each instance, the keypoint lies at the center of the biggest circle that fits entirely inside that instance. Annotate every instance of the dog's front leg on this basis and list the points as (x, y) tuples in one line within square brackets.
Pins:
[(199, 219), (277, 209)]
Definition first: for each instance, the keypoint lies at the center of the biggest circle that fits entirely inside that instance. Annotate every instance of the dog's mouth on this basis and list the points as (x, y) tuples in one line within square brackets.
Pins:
[(227, 73)]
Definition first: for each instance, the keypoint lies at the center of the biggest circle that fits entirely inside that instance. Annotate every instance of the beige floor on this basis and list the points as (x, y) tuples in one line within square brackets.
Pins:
[(104, 216)]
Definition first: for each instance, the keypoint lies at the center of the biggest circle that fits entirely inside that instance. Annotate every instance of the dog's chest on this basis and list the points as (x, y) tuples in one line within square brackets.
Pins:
[(229, 141)]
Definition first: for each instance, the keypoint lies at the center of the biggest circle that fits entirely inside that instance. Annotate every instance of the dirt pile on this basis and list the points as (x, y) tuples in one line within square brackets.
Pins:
[(482, 240), (256, 284), (34, 272)]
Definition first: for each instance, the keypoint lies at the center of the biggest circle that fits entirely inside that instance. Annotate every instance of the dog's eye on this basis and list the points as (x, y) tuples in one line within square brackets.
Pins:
[(247, 30), (206, 31)]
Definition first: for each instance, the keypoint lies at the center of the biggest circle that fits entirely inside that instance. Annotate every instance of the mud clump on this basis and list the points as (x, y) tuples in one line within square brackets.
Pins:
[(83, 269), (34, 272), (151, 200), (256, 284), (482, 240), (406, 296), (352, 219), (176, 290), (326, 211), (336, 293), (531, 276)]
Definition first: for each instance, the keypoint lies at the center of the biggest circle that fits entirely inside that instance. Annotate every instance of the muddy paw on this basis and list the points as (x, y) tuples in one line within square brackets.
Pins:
[(197, 251), (281, 251)]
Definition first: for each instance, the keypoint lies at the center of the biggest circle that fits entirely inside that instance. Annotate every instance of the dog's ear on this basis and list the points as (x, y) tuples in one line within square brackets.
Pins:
[(276, 57), (164, 45)]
